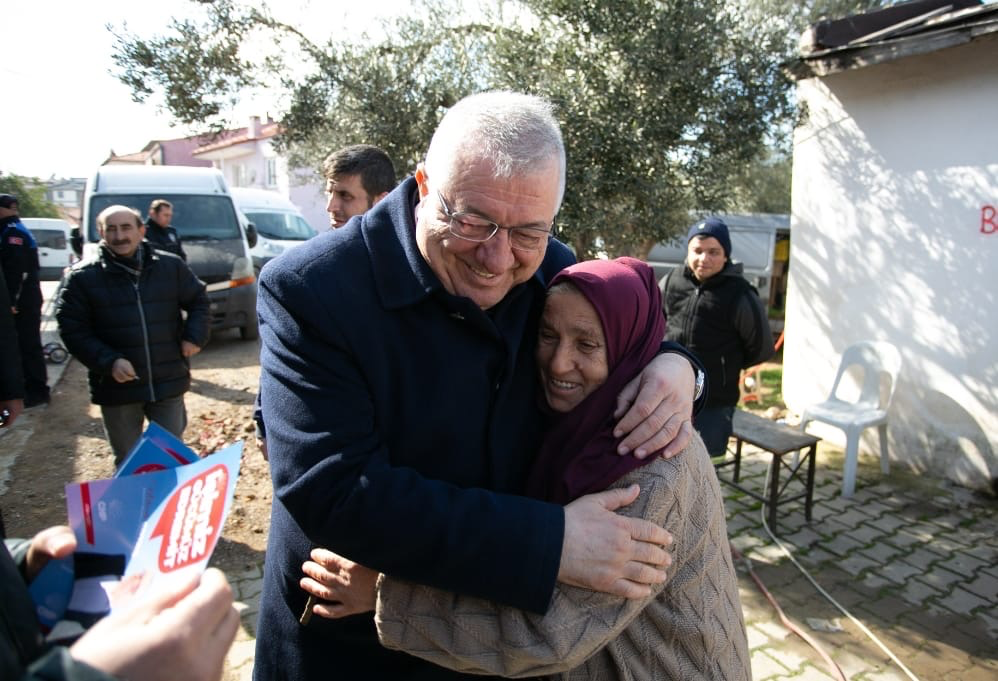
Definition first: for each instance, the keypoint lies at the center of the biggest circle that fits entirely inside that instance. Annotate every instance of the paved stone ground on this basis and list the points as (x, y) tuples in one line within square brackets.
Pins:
[(914, 559)]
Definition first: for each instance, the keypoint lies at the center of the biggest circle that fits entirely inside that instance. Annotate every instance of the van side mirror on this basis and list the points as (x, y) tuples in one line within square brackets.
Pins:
[(76, 241), (251, 235)]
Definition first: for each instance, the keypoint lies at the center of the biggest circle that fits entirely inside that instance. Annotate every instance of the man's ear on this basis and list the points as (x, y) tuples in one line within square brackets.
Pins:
[(420, 176)]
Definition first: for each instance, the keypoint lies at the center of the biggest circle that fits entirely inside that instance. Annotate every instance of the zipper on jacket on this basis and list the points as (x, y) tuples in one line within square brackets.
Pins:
[(724, 371), (145, 338), (691, 315)]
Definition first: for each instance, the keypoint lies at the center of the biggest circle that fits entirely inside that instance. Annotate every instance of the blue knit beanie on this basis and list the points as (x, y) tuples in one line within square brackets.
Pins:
[(712, 227)]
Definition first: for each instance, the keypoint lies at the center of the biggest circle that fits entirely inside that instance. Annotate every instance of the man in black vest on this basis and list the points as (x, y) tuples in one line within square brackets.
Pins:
[(712, 310)]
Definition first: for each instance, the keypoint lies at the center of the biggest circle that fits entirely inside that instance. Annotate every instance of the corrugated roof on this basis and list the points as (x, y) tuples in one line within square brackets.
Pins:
[(892, 33)]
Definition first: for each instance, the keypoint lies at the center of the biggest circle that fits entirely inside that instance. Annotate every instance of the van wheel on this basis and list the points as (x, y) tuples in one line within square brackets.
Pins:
[(249, 332)]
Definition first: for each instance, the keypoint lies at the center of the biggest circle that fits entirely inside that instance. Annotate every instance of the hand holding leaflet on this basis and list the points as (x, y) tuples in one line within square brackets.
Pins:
[(137, 527)]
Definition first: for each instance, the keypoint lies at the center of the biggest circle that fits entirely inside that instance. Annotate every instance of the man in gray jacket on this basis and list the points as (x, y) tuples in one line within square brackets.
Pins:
[(120, 314)]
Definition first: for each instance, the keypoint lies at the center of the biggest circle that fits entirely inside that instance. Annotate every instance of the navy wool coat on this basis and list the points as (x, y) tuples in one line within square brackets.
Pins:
[(400, 422)]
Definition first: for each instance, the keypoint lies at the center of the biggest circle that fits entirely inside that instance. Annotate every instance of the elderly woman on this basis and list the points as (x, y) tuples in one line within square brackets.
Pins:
[(602, 322)]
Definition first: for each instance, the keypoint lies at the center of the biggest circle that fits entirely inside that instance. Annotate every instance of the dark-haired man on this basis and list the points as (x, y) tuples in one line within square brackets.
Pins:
[(357, 177), (159, 233)]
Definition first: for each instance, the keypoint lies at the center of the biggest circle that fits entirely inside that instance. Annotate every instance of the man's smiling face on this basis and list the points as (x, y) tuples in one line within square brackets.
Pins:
[(485, 272)]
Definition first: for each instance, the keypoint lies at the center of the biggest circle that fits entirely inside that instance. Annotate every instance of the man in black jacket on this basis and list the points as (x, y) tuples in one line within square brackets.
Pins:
[(120, 314), (159, 233), (712, 310), (19, 258)]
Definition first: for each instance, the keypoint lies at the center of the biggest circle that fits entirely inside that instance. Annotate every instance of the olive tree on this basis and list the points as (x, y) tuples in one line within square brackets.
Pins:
[(666, 106)]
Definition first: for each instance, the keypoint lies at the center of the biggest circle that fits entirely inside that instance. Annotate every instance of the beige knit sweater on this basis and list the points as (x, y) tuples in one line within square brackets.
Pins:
[(689, 628)]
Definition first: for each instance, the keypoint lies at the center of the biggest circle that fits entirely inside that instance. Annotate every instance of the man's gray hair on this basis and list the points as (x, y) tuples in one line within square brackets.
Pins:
[(118, 208), (517, 133)]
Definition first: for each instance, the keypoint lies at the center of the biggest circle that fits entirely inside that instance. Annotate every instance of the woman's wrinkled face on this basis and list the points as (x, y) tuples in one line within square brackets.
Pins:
[(571, 349)]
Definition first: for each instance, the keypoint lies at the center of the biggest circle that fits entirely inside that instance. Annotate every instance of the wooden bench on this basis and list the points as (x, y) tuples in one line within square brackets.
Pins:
[(777, 439)]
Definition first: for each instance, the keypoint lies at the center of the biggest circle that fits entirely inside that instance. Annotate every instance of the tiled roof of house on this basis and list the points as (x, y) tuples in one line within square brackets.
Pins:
[(231, 138), (136, 157)]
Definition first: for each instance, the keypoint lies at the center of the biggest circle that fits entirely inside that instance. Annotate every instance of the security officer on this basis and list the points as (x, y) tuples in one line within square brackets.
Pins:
[(19, 258)]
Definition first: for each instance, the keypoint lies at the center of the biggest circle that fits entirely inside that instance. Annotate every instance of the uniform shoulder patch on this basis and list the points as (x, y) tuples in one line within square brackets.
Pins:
[(16, 240)]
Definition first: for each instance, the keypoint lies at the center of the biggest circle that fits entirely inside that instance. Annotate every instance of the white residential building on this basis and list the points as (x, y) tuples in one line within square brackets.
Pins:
[(247, 158)]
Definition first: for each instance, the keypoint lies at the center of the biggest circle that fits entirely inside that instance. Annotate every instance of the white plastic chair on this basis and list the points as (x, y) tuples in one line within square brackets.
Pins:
[(876, 358)]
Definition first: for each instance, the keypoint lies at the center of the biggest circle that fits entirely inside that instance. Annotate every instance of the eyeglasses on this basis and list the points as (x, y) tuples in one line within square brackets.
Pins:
[(471, 227)]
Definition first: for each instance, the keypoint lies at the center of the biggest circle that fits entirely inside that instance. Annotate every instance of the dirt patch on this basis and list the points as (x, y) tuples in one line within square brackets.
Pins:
[(66, 444)]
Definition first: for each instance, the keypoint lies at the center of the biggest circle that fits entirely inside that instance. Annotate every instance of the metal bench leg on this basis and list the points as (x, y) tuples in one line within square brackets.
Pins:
[(812, 454), (774, 491)]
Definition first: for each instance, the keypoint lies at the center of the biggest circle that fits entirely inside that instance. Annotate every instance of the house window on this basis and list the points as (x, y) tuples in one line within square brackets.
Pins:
[(241, 175), (271, 172)]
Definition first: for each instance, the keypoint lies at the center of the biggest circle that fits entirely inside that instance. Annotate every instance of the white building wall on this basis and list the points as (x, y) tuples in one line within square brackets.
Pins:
[(895, 184), (307, 190)]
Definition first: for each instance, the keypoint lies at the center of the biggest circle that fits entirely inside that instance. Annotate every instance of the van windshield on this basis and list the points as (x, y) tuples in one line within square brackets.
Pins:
[(284, 226), (205, 217), (49, 238)]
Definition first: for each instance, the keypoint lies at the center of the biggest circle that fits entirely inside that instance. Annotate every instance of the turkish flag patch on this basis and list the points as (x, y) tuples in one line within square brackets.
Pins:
[(16, 240)]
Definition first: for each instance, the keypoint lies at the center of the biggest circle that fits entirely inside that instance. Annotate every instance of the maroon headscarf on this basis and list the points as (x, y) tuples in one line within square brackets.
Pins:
[(578, 455)]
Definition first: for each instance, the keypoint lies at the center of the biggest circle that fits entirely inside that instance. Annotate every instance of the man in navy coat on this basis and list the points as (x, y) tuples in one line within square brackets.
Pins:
[(398, 387)]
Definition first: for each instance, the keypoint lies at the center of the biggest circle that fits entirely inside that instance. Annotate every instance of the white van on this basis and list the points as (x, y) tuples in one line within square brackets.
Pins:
[(278, 222), (53, 238), (215, 236)]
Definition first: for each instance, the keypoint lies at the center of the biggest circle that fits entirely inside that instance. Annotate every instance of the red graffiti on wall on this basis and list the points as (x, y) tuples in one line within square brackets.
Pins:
[(989, 219)]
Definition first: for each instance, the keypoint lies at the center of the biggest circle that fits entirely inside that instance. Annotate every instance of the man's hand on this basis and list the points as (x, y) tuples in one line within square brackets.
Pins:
[(658, 405), (122, 371), (14, 409), (347, 588), (181, 632), (54, 542), (188, 349), (607, 552)]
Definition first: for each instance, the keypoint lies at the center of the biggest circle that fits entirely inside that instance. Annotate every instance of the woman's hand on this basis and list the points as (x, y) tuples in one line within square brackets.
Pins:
[(343, 586)]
